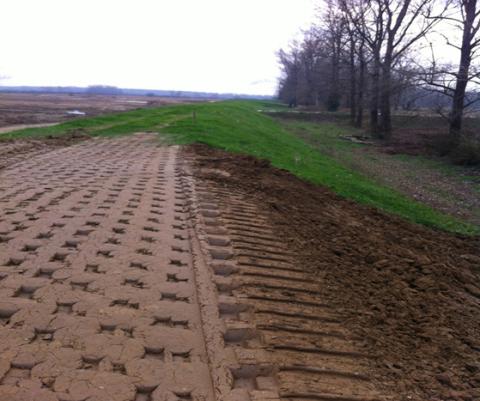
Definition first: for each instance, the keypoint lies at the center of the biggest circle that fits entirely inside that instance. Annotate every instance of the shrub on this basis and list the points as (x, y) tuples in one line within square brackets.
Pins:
[(466, 150)]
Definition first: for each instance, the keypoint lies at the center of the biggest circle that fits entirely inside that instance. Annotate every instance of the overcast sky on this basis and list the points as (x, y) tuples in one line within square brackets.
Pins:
[(199, 45)]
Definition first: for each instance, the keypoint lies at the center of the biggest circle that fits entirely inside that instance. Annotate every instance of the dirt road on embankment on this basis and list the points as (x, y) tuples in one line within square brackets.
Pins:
[(134, 271)]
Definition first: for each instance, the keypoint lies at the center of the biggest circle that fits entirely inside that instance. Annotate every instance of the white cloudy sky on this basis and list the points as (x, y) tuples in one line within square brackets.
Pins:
[(201, 45)]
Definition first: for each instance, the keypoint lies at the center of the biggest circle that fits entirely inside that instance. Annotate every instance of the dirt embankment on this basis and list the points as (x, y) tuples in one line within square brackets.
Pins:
[(411, 292)]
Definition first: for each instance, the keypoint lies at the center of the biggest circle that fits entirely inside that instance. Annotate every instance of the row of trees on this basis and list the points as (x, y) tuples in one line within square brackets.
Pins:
[(363, 54)]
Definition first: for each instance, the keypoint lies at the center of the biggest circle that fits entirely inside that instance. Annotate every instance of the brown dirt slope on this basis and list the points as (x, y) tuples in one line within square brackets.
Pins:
[(411, 292)]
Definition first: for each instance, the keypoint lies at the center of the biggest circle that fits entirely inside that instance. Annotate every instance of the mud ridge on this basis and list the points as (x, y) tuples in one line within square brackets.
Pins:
[(276, 356)]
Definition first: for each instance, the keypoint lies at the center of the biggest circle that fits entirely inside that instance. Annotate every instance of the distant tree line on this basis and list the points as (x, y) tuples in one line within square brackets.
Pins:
[(112, 90), (360, 55), (103, 90)]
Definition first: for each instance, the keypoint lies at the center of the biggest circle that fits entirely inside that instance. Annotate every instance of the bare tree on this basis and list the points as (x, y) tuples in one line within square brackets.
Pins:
[(334, 33), (311, 54), (362, 62), (368, 21), (470, 25), (312, 70), (390, 28), (290, 62), (358, 53), (451, 81), (357, 62), (353, 77)]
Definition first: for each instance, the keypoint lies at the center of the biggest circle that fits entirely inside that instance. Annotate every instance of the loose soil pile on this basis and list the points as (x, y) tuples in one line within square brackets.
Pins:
[(411, 292)]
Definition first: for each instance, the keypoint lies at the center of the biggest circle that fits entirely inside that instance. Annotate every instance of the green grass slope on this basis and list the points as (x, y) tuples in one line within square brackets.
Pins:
[(238, 126)]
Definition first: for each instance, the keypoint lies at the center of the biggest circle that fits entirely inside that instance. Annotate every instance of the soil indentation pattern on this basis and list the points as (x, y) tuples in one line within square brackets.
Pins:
[(289, 345), (97, 291)]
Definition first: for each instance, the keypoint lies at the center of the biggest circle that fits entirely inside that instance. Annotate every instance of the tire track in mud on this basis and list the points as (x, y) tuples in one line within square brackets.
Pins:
[(289, 345)]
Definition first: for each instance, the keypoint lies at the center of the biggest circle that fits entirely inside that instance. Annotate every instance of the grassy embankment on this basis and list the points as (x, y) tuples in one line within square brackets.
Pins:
[(237, 126), (447, 187)]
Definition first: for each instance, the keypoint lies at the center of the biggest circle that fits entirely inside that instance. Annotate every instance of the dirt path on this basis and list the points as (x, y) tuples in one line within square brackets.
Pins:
[(97, 286), (123, 278)]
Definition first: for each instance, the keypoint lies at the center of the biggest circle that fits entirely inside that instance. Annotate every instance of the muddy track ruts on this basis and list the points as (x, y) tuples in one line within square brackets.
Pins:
[(288, 344)]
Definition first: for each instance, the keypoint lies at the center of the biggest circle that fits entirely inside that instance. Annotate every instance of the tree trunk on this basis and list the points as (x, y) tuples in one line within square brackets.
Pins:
[(361, 87), (458, 102), (374, 97), (456, 116), (333, 100), (353, 82), (385, 101)]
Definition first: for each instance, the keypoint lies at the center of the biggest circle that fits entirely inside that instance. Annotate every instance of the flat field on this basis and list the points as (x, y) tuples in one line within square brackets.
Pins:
[(27, 109)]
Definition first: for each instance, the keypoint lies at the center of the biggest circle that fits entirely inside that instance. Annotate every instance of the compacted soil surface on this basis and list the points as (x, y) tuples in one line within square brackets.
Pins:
[(97, 296), (136, 271)]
